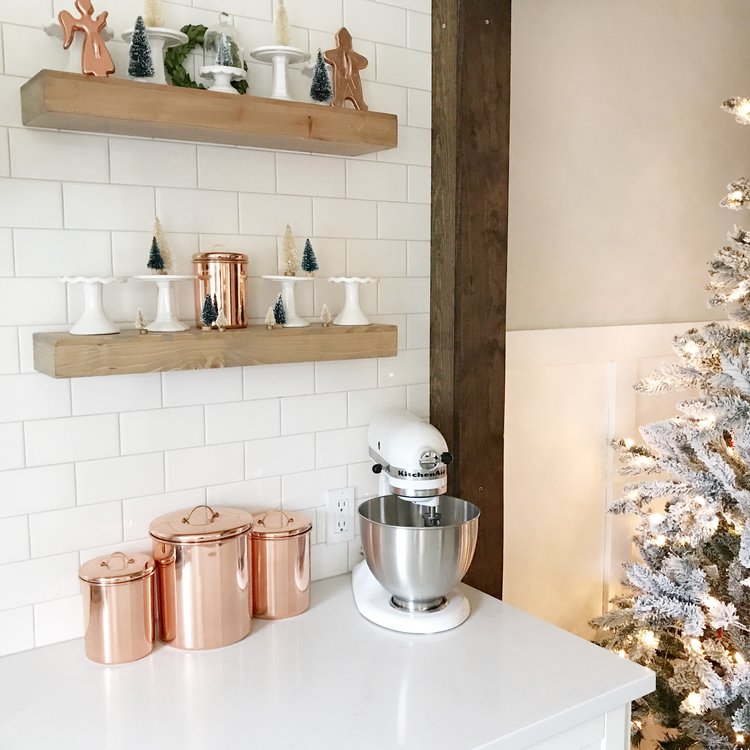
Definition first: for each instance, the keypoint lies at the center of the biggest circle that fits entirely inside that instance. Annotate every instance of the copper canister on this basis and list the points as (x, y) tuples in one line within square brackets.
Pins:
[(223, 277), (281, 564), (203, 569), (118, 607)]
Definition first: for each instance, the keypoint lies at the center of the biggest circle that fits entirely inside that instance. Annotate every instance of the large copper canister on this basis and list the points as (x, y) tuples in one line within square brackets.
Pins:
[(118, 607), (204, 575), (223, 277), (281, 564)]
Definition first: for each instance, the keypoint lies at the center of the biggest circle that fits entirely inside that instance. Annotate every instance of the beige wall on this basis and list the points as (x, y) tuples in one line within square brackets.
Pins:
[(619, 156)]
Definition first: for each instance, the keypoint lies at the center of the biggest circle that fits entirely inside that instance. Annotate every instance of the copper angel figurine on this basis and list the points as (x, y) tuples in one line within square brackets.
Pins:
[(96, 60)]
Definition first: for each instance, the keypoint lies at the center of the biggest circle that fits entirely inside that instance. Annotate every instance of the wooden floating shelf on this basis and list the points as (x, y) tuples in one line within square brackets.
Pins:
[(62, 355), (68, 101)]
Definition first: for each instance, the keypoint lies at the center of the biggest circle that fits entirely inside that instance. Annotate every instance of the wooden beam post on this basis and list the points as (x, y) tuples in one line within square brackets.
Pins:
[(470, 138)]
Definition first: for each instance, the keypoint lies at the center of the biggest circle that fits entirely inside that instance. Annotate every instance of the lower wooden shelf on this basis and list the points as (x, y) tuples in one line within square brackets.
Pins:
[(61, 355)]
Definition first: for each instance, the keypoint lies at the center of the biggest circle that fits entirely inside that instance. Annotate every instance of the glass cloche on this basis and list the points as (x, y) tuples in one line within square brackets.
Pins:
[(223, 44)]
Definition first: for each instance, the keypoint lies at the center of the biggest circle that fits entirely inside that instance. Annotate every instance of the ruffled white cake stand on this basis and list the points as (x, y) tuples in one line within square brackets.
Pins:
[(166, 309), (159, 39), (94, 320), (281, 57), (287, 296), (352, 314), (222, 77)]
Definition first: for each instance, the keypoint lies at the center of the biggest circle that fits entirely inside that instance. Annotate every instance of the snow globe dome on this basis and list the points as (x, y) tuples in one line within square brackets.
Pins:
[(223, 44)]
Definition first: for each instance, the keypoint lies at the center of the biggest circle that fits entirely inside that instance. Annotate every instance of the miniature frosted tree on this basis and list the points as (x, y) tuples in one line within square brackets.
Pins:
[(161, 241), (221, 320), (155, 259), (270, 320), (686, 609), (141, 65), (291, 257), (152, 13), (325, 316), (283, 31), (208, 313), (321, 89), (224, 52), (140, 322), (279, 313), (309, 261)]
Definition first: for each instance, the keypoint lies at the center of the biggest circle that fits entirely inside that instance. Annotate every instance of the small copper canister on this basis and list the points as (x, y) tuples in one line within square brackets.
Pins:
[(118, 607), (281, 564), (223, 277), (203, 568)]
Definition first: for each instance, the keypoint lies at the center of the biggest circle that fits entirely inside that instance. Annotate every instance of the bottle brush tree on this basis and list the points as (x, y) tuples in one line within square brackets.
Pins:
[(685, 612), (224, 52), (291, 257), (321, 89), (152, 13), (140, 65), (279, 313), (208, 313), (155, 259), (161, 241), (283, 30), (309, 261)]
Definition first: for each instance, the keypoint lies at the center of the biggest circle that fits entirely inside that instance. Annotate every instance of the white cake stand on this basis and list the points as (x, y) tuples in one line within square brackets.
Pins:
[(159, 39), (54, 29), (280, 57), (352, 314), (287, 296), (93, 320), (222, 77), (166, 309)]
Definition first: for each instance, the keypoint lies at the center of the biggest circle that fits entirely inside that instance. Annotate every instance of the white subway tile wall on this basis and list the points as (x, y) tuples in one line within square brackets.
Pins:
[(86, 464)]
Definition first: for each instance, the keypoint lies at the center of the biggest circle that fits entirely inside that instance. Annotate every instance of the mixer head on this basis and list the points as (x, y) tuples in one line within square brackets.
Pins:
[(411, 456)]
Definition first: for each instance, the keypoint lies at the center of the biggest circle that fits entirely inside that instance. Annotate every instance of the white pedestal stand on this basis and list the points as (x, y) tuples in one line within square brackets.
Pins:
[(75, 50), (166, 309), (287, 297), (159, 39), (222, 77), (280, 57), (352, 314), (93, 320)]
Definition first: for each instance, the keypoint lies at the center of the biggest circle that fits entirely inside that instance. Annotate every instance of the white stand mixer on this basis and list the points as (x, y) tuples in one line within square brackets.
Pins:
[(418, 542)]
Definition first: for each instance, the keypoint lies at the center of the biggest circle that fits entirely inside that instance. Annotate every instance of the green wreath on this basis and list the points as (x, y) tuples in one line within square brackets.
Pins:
[(174, 60)]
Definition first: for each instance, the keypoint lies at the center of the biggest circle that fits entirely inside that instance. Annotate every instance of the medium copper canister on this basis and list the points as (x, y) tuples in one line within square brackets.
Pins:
[(204, 576), (118, 607), (223, 277), (281, 564)]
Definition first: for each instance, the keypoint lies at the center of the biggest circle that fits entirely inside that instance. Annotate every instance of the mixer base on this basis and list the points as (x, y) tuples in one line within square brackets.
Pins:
[(374, 603)]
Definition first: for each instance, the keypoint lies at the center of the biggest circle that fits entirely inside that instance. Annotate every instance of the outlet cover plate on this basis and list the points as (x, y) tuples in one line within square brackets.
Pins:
[(340, 515)]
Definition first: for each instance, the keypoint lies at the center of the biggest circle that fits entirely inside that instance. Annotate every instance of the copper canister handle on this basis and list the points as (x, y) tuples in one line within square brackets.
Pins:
[(289, 519), (214, 514), (125, 559)]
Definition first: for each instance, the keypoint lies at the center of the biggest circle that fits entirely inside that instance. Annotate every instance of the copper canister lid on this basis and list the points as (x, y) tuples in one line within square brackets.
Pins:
[(117, 568), (201, 524), (220, 256), (277, 524)]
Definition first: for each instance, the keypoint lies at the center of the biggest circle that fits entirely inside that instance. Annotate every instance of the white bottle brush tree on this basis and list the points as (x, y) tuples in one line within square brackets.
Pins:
[(291, 256), (686, 609), (152, 13), (283, 30)]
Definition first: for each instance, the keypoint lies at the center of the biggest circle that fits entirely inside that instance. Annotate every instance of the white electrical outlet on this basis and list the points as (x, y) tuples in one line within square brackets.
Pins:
[(339, 515)]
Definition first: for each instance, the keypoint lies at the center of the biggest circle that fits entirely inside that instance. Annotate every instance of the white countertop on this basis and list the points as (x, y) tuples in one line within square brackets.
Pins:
[(327, 679)]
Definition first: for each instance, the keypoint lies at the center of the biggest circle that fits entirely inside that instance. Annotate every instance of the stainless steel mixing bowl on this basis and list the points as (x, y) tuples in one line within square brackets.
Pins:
[(415, 560)]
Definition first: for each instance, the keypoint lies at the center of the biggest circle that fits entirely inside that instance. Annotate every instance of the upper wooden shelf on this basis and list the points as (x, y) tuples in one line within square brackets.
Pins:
[(62, 355), (68, 101)]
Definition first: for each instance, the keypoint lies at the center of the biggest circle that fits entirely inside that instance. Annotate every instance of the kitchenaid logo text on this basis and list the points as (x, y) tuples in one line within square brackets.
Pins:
[(421, 475)]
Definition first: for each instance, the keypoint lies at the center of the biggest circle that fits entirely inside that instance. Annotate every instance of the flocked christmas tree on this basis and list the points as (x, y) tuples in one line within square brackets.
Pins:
[(224, 51), (141, 65), (291, 257), (321, 89), (685, 611), (309, 261), (155, 259), (161, 241), (283, 30), (209, 312), (279, 313)]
